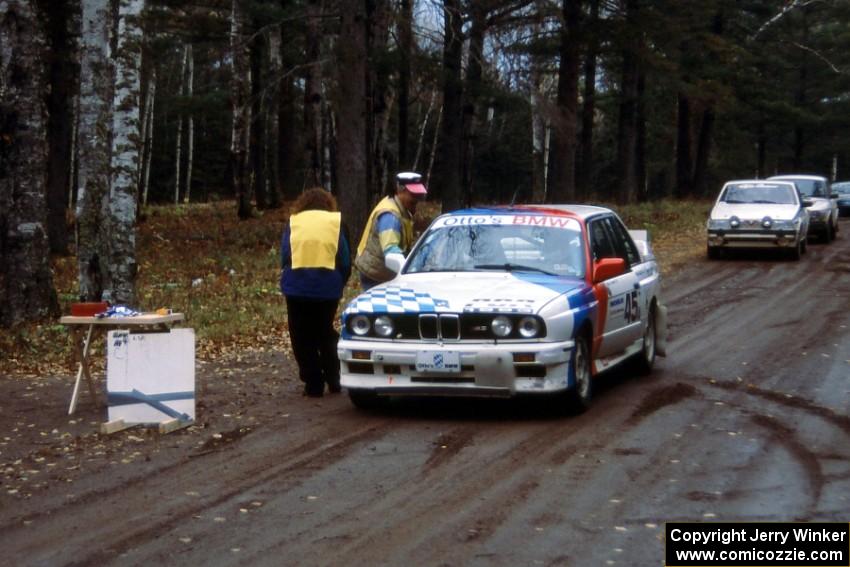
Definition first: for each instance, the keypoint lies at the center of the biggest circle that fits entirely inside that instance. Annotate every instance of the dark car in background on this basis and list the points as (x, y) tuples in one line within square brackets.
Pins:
[(842, 188)]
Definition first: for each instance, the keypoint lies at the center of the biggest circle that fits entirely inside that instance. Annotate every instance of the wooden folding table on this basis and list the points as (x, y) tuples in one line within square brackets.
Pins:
[(79, 325)]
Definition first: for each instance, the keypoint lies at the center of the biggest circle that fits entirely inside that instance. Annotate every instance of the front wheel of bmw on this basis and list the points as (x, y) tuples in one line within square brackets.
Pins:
[(646, 357), (580, 395), (364, 399)]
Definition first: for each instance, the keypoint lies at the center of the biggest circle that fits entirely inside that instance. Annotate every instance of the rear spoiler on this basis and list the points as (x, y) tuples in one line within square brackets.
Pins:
[(641, 240)]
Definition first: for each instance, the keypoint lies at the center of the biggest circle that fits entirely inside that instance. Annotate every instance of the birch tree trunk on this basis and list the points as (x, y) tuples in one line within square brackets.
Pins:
[(190, 135), (93, 144), (352, 140), (120, 285), (26, 281), (148, 140), (422, 130), (240, 91)]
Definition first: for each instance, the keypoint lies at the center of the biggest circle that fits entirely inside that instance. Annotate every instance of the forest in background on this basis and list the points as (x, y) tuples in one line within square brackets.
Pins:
[(108, 105)]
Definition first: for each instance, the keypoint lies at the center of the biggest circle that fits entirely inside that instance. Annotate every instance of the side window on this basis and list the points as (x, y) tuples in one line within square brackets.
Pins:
[(600, 242), (622, 242)]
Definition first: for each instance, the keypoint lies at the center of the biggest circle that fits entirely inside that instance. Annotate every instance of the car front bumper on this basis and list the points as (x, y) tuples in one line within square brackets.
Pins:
[(486, 369), (752, 238)]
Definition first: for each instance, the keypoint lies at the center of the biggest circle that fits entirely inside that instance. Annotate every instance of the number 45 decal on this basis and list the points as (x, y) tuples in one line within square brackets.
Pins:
[(632, 313)]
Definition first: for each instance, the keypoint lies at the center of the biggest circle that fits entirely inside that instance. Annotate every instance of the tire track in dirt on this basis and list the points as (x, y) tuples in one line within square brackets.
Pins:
[(785, 436), (139, 526)]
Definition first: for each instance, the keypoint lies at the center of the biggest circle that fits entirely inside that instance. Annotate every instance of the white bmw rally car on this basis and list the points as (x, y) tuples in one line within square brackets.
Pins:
[(496, 302)]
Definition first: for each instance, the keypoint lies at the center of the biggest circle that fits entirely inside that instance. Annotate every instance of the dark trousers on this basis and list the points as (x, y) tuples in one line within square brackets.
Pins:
[(311, 330)]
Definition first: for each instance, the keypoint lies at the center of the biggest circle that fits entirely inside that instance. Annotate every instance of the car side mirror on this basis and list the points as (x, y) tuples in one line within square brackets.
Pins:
[(394, 262), (834, 195), (808, 202), (607, 268)]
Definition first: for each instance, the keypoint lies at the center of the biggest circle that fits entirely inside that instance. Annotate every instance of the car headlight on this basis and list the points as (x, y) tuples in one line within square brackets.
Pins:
[(717, 224), (383, 326), (501, 326), (816, 214), (359, 325), (767, 222), (734, 222), (786, 224), (529, 327)]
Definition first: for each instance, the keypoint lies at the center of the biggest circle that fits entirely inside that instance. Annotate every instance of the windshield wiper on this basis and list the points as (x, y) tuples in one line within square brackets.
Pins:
[(766, 202), (508, 267)]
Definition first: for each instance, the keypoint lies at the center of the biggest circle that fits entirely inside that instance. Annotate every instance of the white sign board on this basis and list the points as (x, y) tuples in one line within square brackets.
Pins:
[(150, 377)]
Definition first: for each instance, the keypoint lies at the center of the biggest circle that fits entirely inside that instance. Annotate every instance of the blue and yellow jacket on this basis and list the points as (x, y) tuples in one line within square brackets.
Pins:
[(315, 256)]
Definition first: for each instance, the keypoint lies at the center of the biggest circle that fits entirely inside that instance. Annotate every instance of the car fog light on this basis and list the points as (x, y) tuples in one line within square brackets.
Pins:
[(383, 326), (767, 222), (359, 325), (501, 326), (734, 222), (529, 327)]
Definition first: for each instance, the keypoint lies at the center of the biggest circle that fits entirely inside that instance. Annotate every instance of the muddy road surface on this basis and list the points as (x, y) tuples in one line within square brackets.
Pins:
[(747, 419)]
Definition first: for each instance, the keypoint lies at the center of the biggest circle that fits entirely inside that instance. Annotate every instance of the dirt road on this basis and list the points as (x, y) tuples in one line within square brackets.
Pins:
[(746, 420)]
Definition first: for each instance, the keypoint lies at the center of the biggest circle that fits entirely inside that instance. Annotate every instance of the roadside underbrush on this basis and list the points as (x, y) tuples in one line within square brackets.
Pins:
[(222, 273)]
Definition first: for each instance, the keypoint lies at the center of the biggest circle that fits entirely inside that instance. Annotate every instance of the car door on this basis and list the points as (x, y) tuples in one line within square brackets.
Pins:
[(621, 312), (645, 279)]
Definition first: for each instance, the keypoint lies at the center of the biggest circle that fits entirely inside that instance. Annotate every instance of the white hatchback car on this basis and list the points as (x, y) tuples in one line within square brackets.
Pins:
[(758, 214)]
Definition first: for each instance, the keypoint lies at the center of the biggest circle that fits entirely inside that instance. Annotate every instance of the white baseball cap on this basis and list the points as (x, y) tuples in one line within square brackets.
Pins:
[(412, 182)]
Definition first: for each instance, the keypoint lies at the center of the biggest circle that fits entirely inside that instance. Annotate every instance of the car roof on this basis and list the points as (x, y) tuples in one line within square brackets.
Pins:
[(771, 181), (807, 177), (580, 211)]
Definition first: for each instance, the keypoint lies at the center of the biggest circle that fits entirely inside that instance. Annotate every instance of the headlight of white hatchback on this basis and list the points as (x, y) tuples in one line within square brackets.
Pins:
[(717, 224)]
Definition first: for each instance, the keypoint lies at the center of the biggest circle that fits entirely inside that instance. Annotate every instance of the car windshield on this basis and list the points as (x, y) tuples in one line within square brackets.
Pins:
[(810, 187), (766, 193), (842, 188), (517, 243)]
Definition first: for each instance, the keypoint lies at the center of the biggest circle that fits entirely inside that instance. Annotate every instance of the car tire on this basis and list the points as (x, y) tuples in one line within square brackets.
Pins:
[(796, 252), (364, 399), (579, 397), (805, 245), (827, 233), (645, 359)]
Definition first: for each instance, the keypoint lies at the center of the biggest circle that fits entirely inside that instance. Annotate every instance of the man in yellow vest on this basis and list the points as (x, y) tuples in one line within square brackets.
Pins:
[(389, 230), (316, 264)]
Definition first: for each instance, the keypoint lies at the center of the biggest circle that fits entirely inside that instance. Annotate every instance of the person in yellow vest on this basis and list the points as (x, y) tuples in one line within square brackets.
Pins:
[(389, 230), (316, 261)]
